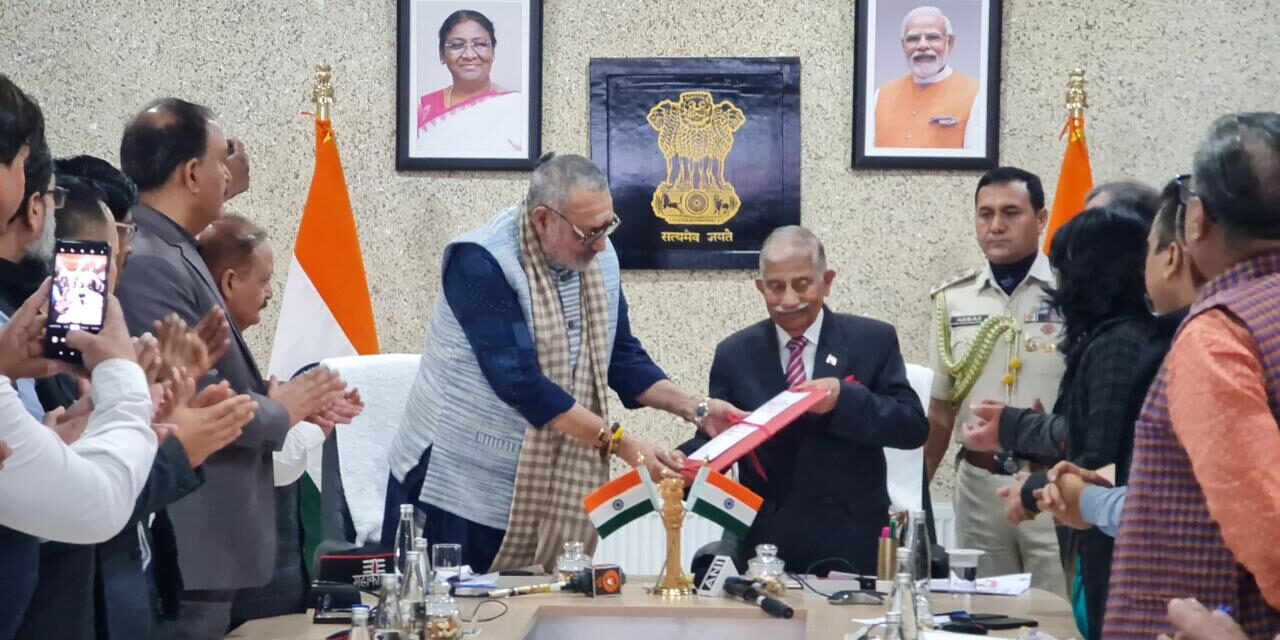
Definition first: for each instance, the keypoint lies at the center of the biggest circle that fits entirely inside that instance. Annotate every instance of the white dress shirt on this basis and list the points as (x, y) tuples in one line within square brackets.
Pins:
[(302, 449), (810, 348), (83, 493)]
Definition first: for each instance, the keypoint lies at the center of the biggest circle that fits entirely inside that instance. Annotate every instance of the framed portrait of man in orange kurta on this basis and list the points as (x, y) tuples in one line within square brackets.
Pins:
[(926, 84)]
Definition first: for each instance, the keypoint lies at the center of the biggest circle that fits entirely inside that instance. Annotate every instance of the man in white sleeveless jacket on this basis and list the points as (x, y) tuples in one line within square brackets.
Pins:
[(506, 429)]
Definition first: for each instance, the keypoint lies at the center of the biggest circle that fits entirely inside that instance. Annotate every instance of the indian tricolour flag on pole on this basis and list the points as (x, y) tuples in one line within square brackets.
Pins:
[(724, 502), (622, 500), (326, 311)]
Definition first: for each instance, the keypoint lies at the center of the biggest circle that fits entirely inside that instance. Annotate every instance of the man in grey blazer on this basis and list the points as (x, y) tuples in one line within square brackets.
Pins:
[(224, 531)]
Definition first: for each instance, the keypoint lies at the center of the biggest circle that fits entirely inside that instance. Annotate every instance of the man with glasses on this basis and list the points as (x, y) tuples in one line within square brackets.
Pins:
[(26, 247), (1203, 496), (118, 193), (933, 106), (506, 427)]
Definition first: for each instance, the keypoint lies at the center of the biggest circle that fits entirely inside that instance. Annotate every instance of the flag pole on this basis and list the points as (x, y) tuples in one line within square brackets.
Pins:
[(1077, 99), (1076, 177), (322, 92)]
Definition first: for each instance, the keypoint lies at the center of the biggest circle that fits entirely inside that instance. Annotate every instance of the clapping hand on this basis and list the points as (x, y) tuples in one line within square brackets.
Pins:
[(195, 352), (1061, 497), (1014, 512), (985, 434), (342, 410), (208, 421), (309, 394)]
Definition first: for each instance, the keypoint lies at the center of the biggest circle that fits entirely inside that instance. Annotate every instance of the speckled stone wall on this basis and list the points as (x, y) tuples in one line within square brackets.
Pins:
[(1160, 71)]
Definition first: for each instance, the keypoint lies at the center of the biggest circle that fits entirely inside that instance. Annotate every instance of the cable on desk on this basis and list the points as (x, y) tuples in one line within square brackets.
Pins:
[(809, 571), (476, 611), (807, 585)]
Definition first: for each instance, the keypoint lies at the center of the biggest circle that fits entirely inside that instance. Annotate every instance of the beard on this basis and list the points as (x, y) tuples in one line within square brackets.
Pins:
[(927, 65), (41, 248)]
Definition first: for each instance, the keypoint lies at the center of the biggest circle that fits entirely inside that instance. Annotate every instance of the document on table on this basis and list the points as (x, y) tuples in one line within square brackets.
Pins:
[(1011, 585)]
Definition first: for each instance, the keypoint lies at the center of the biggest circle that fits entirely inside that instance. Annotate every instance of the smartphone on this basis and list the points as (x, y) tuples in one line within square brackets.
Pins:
[(1002, 623), (77, 296)]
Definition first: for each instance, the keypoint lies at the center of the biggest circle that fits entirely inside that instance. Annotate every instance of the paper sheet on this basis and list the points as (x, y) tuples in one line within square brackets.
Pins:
[(776, 405), (937, 620), (723, 442), (1011, 585)]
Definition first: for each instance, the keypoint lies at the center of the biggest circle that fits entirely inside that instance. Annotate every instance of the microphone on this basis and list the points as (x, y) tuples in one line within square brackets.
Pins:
[(745, 589), (598, 580), (716, 559), (715, 572)]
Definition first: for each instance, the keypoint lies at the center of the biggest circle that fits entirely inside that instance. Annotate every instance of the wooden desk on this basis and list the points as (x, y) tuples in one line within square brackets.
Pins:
[(822, 621)]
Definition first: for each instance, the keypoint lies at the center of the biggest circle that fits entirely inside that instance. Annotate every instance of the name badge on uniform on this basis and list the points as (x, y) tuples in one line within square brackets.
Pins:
[(944, 121), (968, 321)]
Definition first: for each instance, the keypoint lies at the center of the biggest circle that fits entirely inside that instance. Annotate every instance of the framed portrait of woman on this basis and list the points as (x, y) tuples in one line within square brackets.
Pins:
[(468, 84), (926, 84)]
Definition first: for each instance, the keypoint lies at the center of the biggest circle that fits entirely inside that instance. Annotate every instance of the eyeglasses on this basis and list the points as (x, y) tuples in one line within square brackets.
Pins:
[(1185, 194), (481, 48), (59, 197), (58, 194), (588, 237), (126, 230)]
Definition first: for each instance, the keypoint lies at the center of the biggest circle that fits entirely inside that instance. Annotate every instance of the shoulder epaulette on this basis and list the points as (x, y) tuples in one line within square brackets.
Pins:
[(963, 277)]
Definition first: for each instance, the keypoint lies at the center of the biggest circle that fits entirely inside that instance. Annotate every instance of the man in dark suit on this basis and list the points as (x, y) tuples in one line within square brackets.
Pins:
[(823, 477), (224, 531)]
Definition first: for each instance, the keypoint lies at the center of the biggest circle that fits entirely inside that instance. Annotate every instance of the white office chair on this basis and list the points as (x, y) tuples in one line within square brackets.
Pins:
[(905, 467), (356, 483)]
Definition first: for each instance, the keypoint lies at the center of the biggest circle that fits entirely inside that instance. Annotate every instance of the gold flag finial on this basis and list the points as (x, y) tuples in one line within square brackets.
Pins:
[(322, 92), (1077, 100)]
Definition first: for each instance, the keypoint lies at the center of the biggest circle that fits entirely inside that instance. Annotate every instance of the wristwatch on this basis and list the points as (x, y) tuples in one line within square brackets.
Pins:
[(701, 412)]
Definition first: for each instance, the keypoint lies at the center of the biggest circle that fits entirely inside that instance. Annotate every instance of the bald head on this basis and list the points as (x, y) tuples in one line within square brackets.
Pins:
[(240, 260)]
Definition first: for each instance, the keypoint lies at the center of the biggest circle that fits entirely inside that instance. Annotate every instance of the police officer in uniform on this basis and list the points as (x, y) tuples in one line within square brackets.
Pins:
[(994, 337)]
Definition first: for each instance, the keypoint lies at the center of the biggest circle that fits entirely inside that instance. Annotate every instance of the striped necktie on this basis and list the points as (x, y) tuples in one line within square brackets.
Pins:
[(795, 367)]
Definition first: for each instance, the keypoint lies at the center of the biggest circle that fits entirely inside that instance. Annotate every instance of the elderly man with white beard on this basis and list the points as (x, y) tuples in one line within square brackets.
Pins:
[(934, 106)]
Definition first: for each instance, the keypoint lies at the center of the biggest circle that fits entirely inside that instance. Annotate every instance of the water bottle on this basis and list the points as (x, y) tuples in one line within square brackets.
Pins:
[(903, 601), (359, 623), (406, 531), (413, 615), (921, 566), (388, 624), (420, 545), (893, 626)]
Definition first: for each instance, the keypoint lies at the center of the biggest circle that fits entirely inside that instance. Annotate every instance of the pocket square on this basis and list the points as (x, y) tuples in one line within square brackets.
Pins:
[(851, 379)]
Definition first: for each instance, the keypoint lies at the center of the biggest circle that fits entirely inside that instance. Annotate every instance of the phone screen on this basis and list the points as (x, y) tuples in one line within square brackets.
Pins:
[(77, 296)]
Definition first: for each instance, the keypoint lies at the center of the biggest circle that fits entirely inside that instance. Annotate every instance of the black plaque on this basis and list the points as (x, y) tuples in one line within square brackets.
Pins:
[(702, 155)]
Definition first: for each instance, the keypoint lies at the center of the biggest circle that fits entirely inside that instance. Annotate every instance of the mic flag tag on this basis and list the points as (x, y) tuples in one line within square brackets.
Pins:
[(720, 569)]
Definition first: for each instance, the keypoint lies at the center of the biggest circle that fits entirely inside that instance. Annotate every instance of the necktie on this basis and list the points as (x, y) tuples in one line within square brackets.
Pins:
[(795, 367)]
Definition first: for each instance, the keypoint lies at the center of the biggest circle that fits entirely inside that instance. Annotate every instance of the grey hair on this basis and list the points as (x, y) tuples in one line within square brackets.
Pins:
[(793, 241), (926, 11), (1237, 174), (557, 175)]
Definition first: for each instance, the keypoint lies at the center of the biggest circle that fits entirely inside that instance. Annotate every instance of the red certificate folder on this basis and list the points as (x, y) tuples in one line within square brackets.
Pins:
[(740, 439)]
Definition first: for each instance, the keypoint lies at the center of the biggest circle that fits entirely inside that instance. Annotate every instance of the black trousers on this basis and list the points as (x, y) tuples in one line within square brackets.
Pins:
[(480, 544)]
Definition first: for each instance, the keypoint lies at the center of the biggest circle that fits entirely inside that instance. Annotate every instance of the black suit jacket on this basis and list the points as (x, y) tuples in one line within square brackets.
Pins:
[(824, 486), (225, 530)]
